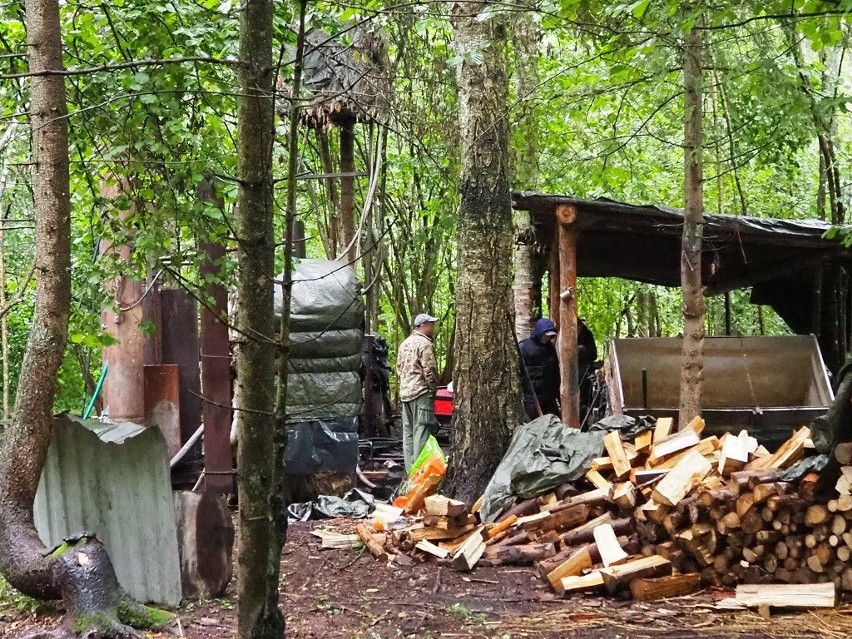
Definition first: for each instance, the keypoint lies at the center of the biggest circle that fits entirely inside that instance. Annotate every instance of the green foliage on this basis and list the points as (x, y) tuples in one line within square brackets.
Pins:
[(606, 111)]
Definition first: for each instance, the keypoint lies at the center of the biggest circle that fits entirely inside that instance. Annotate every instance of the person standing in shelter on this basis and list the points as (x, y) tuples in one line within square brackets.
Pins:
[(540, 370), (417, 373)]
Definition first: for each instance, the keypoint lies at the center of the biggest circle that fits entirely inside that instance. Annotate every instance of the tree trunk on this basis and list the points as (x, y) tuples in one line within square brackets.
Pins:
[(347, 190), (525, 170), (690, 262), (79, 572), (487, 399), (258, 616)]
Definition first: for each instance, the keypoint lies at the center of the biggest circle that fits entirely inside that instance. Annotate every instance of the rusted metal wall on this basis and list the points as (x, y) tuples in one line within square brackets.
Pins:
[(115, 483)]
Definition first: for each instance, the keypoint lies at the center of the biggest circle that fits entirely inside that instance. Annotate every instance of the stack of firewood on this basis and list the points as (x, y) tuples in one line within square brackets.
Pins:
[(660, 515)]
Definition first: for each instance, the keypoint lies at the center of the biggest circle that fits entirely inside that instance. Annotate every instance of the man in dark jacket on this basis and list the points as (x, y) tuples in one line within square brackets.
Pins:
[(540, 370)]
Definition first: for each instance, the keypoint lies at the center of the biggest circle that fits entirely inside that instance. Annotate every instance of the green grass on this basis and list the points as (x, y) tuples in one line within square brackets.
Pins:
[(12, 600)]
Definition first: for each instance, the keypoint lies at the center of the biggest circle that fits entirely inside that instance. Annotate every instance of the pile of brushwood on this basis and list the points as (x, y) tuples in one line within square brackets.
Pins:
[(660, 516)]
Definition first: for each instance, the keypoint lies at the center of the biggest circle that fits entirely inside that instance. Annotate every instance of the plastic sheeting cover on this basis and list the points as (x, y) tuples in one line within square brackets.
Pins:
[(322, 446), (355, 504), (543, 454)]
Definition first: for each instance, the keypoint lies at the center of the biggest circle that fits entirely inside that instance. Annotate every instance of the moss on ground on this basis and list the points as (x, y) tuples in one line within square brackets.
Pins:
[(142, 617)]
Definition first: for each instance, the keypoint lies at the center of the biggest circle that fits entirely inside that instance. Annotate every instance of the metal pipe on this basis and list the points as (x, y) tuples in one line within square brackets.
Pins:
[(186, 447)]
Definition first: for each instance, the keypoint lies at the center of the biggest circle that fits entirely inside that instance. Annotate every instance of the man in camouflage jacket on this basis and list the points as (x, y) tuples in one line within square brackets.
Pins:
[(418, 381)]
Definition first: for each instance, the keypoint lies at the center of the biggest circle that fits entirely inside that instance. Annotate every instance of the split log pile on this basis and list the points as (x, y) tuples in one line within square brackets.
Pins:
[(661, 516)]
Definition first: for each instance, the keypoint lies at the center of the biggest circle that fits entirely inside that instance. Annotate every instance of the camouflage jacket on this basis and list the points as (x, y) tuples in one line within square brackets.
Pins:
[(416, 368)]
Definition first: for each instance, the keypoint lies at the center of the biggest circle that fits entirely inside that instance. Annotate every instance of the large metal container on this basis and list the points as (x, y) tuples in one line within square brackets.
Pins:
[(766, 384)]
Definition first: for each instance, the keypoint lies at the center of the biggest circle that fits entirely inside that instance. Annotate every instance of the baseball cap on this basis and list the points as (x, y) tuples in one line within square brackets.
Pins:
[(551, 333), (424, 318)]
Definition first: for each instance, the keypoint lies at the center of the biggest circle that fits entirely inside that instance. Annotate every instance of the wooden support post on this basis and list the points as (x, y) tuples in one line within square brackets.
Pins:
[(553, 279), (567, 341)]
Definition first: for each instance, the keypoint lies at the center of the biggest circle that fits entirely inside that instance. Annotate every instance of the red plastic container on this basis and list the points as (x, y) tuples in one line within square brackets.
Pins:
[(443, 403)]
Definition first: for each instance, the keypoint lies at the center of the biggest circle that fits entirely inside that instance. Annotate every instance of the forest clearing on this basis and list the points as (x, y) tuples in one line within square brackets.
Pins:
[(428, 319)]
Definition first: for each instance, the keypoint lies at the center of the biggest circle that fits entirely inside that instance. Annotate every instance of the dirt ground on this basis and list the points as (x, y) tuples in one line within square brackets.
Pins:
[(346, 594)]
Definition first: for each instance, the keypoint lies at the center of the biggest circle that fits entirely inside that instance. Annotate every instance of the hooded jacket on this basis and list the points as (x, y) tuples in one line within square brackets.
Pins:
[(541, 363)]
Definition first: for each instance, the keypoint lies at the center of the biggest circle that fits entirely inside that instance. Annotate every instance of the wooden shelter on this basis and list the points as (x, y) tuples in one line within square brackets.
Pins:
[(789, 265), (344, 84)]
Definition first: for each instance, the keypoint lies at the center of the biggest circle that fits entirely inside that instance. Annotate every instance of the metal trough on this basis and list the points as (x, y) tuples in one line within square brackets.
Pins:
[(767, 384)]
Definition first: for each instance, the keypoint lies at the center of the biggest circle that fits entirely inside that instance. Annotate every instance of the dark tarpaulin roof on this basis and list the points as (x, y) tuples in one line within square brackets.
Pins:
[(777, 258)]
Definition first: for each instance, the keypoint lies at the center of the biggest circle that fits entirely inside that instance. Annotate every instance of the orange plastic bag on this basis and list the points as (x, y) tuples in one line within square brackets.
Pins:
[(423, 479)]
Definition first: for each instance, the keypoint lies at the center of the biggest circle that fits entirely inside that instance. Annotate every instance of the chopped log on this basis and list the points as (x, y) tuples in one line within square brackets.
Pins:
[(592, 581), (700, 541), (787, 596), (665, 587), (680, 479), (559, 521), (846, 580), (697, 424), (624, 495), (571, 567), (501, 527), (520, 509), (477, 505), (672, 444), (734, 455), (744, 504), (809, 485), (838, 525), (816, 514), (706, 447), (549, 498), (729, 522), (530, 521), (591, 498), (601, 464), (469, 553), (751, 523), (597, 480), (620, 576), (788, 454), (517, 555), (453, 545), (663, 428), (610, 550), (843, 453), (440, 506), (431, 549), (437, 521), (375, 548), (565, 491), (764, 491), (514, 539), (643, 442), (584, 533), (615, 450), (418, 531)]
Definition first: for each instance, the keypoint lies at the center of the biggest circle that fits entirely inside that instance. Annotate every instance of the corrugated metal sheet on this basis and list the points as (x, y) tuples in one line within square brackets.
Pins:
[(123, 493)]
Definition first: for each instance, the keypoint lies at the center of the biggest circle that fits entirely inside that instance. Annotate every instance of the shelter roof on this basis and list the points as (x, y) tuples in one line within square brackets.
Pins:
[(643, 243)]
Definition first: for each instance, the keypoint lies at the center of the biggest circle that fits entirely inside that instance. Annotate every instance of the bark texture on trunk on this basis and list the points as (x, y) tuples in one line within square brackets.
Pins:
[(525, 171), (693, 226), (258, 615), (487, 399), (79, 572)]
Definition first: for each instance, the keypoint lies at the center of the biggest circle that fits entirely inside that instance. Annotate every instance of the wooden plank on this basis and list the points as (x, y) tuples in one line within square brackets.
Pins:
[(592, 581), (610, 550), (571, 567), (620, 463), (679, 481), (620, 576), (665, 587), (375, 548), (429, 548), (787, 595), (663, 428), (441, 506), (672, 444)]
